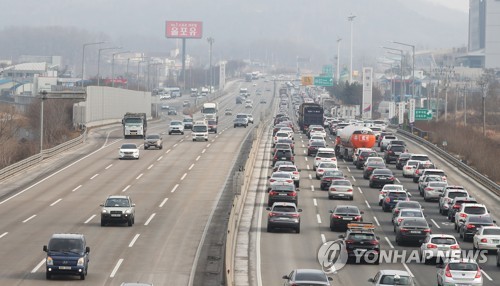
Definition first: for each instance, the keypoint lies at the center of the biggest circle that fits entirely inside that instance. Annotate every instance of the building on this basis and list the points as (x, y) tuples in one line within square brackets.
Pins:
[(484, 34)]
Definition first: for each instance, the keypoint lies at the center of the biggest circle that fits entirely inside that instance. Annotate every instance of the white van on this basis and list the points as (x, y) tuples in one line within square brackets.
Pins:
[(200, 131)]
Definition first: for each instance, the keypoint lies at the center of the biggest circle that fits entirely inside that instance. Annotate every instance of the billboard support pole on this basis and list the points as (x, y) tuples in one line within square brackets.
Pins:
[(184, 63)]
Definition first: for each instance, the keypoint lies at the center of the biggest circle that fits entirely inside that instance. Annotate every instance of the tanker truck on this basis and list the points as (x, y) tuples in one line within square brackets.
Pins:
[(351, 138)]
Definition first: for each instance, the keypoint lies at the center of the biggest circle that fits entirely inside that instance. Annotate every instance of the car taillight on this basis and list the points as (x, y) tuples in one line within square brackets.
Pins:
[(374, 177), (463, 215), (478, 273), (484, 240), (336, 216), (275, 158), (273, 193), (295, 215), (320, 170), (289, 181), (456, 207), (272, 214), (333, 190), (369, 168), (427, 230), (417, 172), (391, 178), (428, 189), (447, 272), (318, 158), (399, 220), (469, 226), (388, 200), (455, 246), (407, 168), (358, 217), (361, 158), (431, 245), (396, 211), (390, 152), (292, 194), (295, 173), (292, 158), (272, 180), (349, 241), (350, 190), (403, 230)]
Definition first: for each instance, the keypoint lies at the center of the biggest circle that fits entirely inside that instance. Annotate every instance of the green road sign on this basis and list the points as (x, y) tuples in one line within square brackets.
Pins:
[(328, 70), (423, 114), (323, 81)]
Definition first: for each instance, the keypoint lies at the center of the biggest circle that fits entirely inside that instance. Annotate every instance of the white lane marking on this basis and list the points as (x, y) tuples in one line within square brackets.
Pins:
[(76, 188), (113, 273), (307, 167), (208, 145), (305, 158), (408, 269), (312, 188), (303, 146), (323, 238), (134, 240), (376, 220), (163, 202), (197, 158), (138, 177), (26, 220), (203, 151), (304, 151), (216, 136), (126, 188), (319, 219), (389, 242), (89, 219), (150, 219), (486, 275), (191, 167), (38, 266), (315, 202), (343, 160), (310, 177), (349, 170), (181, 140), (109, 166), (368, 204), (3, 234), (213, 140), (359, 189), (161, 157), (94, 176), (168, 151), (175, 145), (174, 188), (150, 166), (183, 176), (354, 179), (435, 223), (398, 180), (53, 204)]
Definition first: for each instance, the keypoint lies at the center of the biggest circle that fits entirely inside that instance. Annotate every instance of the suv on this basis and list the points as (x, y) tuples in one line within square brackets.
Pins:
[(188, 123), (67, 254), (385, 141), (324, 155), (283, 155), (358, 152), (282, 192), (392, 152), (283, 215), (176, 126), (360, 238), (466, 210), (153, 140), (455, 206), (382, 135), (392, 198), (118, 209), (293, 170), (448, 196)]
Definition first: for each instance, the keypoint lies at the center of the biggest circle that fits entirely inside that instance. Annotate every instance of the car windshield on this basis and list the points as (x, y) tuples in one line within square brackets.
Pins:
[(397, 194), (341, 183), (318, 144), (175, 123), (346, 210), (153, 137), (281, 175), (463, 266), (393, 187), (284, 209), (65, 244), (456, 194), (415, 205), (326, 155), (287, 169), (438, 184), (361, 236), (333, 174), (117, 202), (129, 146), (199, 128), (411, 213), (390, 280), (480, 219), (419, 158), (188, 120), (443, 240), (491, 231), (310, 277), (382, 172), (327, 165), (415, 222), (282, 187)]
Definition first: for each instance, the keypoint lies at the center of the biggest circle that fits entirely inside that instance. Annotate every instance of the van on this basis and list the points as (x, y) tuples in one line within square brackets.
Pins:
[(200, 131), (67, 254)]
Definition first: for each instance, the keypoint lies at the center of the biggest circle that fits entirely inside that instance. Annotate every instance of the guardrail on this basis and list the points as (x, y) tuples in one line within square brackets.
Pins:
[(35, 159), (485, 181)]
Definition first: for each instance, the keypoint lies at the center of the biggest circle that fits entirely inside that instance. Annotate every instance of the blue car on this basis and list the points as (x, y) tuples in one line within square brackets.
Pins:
[(392, 198)]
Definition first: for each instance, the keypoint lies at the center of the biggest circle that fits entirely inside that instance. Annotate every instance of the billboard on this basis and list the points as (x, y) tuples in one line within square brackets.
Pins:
[(367, 93), (401, 112), (184, 29), (411, 111)]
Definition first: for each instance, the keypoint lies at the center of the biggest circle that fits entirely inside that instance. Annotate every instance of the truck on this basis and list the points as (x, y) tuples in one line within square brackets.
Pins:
[(310, 114), (134, 124), (351, 138), (209, 111), (248, 77)]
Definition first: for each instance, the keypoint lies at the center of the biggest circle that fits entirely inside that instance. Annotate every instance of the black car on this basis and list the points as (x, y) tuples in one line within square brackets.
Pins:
[(360, 240), (283, 155), (328, 177), (313, 147), (172, 112), (363, 156), (188, 123), (392, 152), (472, 223), (283, 215), (367, 171), (342, 215), (282, 192), (380, 177), (413, 229), (401, 160), (307, 277)]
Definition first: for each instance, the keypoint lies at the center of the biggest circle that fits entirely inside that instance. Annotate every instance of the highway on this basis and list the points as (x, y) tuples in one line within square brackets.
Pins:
[(175, 190), (280, 252)]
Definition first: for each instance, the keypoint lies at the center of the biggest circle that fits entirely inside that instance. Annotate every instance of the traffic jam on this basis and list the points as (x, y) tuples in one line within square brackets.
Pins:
[(346, 162)]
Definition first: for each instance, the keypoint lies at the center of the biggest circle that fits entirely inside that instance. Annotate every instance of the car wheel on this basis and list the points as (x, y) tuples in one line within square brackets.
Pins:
[(129, 222), (351, 198), (297, 229), (474, 248), (161, 147), (194, 140), (48, 275), (82, 276), (182, 133), (103, 223), (332, 228), (269, 229), (398, 242), (330, 197), (206, 139), (371, 185), (379, 203), (317, 177)]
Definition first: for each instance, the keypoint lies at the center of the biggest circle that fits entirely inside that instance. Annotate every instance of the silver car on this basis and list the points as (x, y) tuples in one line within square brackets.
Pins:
[(392, 277), (439, 247), (340, 189), (433, 190), (459, 272)]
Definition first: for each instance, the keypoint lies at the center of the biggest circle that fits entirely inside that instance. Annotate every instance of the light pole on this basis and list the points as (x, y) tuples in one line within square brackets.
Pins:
[(351, 19), (113, 66), (210, 41), (338, 59), (43, 97), (413, 65), (99, 62), (83, 57), (402, 86)]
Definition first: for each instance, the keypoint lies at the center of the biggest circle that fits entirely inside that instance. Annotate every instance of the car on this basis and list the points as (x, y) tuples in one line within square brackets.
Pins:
[(462, 271), (363, 157), (372, 165), (307, 277), (359, 239), (188, 123), (325, 166), (176, 126), (283, 155), (393, 197), (171, 111), (316, 130), (293, 170), (420, 168), (404, 205), (438, 247), (486, 237), (381, 136), (424, 181), (385, 141), (433, 190), (243, 115), (467, 209), (212, 125), (430, 172), (282, 192), (280, 163), (316, 138), (186, 103), (401, 160), (324, 155), (455, 206), (248, 104), (392, 152), (412, 229), (228, 111), (250, 118), (330, 176), (343, 215), (340, 189), (240, 122), (128, 151), (283, 215), (282, 177), (381, 177), (387, 188), (358, 152), (280, 135), (263, 100), (409, 168), (153, 140), (447, 197), (472, 223), (288, 141), (118, 209), (392, 277), (280, 145), (67, 254), (406, 213)]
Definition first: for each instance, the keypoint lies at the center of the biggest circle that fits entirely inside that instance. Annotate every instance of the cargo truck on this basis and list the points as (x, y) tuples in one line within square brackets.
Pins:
[(310, 114), (134, 124), (351, 138)]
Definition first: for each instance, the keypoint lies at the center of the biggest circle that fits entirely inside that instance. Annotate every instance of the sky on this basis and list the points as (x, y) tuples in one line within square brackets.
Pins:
[(460, 5)]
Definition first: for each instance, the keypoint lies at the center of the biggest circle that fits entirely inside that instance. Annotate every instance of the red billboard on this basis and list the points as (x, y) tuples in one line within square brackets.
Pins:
[(184, 29)]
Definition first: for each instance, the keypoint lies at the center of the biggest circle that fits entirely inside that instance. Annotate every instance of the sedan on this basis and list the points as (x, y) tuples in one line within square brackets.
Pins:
[(392, 277), (128, 151), (434, 190), (342, 215), (386, 189), (324, 167), (370, 166), (462, 271), (406, 213), (439, 247), (313, 147), (330, 176), (404, 205), (307, 277), (340, 189), (281, 177), (487, 237), (381, 177), (240, 122), (401, 161), (412, 230), (472, 224)]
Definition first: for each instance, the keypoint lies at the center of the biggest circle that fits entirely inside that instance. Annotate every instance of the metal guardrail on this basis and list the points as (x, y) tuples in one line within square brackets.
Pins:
[(35, 159), (485, 181)]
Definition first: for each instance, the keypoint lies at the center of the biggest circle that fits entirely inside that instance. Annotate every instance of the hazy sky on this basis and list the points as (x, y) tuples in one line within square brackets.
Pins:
[(461, 5)]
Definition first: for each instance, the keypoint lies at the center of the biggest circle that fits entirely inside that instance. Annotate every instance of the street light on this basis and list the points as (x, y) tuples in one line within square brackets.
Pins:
[(83, 57), (338, 59), (99, 62), (402, 57), (210, 41), (43, 97), (113, 66), (413, 65), (351, 19)]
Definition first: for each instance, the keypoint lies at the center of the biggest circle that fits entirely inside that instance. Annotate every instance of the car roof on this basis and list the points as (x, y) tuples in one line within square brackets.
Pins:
[(117, 197), (394, 272), (326, 150), (284, 204), (68, 235)]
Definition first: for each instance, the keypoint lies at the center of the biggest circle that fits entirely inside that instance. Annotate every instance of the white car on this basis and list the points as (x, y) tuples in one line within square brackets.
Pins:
[(128, 151), (486, 237), (468, 209), (316, 138), (463, 271), (386, 188), (321, 133), (293, 170), (341, 189), (324, 167), (409, 168), (439, 247), (281, 177), (386, 140), (324, 155), (280, 135), (287, 129), (176, 126)]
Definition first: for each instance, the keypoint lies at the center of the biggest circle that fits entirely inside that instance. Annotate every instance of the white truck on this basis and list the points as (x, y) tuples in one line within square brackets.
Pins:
[(134, 124), (209, 111), (200, 131)]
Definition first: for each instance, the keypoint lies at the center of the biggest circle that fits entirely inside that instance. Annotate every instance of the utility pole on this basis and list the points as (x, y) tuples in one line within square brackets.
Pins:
[(351, 19), (338, 59), (210, 41)]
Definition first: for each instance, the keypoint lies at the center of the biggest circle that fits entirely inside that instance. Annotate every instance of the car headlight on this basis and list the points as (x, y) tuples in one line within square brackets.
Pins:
[(81, 261), (49, 261), (128, 211), (104, 211)]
